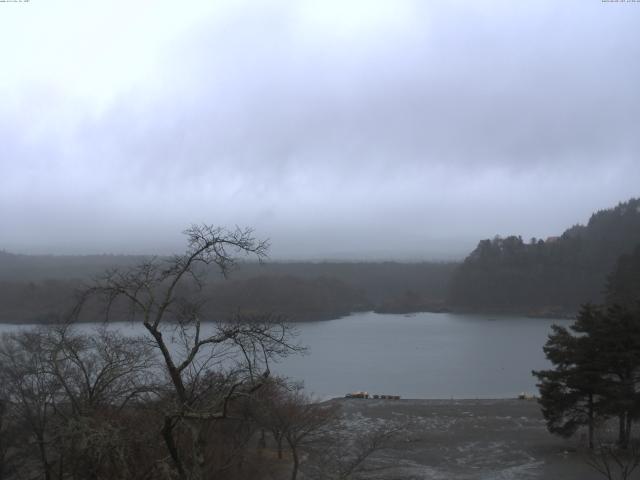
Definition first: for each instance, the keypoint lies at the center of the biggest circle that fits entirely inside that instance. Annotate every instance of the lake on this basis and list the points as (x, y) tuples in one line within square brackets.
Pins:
[(423, 355)]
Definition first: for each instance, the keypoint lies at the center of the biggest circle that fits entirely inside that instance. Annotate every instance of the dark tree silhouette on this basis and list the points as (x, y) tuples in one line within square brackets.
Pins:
[(570, 392), (596, 372)]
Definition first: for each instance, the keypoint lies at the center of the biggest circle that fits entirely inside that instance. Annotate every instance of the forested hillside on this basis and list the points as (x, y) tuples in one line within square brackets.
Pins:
[(550, 276)]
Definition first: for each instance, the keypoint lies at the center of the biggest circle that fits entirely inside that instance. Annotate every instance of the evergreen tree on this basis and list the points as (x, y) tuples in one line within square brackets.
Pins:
[(557, 275), (617, 340), (570, 393), (623, 285), (596, 372)]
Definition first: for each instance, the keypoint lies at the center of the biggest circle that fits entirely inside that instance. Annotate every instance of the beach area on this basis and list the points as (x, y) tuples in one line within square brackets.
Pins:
[(498, 439)]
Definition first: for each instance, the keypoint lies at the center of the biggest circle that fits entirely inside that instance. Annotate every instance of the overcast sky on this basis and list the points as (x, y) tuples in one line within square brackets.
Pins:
[(337, 128)]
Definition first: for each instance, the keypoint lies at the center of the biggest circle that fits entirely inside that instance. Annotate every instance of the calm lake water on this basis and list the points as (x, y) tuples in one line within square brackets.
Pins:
[(424, 355)]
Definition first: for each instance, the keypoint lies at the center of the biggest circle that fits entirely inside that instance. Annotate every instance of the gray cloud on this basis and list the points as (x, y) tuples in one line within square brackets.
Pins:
[(333, 132)]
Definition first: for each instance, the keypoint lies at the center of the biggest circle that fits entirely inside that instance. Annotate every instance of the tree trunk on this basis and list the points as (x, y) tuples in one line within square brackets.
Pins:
[(279, 440), (591, 421), (296, 463), (43, 458), (61, 466), (167, 434), (624, 430), (199, 450)]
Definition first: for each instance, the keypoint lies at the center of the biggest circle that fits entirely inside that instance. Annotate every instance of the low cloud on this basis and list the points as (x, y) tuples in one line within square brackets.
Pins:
[(408, 132)]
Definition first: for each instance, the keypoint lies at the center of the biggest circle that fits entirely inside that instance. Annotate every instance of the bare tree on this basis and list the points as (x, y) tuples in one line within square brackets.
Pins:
[(105, 368), (29, 392), (306, 420), (9, 435), (165, 295), (293, 417), (99, 375), (343, 454), (615, 463), (267, 410), (64, 393)]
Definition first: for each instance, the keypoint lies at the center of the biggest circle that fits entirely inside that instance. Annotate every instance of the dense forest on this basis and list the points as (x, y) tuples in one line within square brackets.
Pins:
[(552, 276), (42, 288)]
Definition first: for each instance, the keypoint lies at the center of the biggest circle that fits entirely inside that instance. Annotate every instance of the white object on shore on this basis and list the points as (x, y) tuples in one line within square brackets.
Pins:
[(526, 396), (376, 396)]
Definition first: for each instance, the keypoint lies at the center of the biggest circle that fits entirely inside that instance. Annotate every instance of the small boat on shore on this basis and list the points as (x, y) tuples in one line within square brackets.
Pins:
[(357, 395), (375, 397)]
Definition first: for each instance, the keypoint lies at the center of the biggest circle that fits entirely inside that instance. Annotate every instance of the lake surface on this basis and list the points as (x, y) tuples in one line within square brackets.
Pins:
[(424, 355)]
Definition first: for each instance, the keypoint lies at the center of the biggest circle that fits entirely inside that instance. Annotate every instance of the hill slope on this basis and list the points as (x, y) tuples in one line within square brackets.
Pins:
[(547, 277)]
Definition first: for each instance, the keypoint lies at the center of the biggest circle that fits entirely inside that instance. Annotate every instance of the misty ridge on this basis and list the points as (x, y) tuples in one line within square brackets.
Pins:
[(540, 277)]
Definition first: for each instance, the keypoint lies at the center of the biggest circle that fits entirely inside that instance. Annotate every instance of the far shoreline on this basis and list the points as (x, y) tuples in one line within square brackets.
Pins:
[(306, 318)]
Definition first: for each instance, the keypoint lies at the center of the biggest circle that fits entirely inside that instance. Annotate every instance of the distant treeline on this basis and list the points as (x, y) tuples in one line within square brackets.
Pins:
[(41, 288), (540, 277), (37, 268), (552, 276)]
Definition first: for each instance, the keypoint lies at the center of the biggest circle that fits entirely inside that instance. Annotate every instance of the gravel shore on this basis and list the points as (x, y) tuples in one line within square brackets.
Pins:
[(466, 439)]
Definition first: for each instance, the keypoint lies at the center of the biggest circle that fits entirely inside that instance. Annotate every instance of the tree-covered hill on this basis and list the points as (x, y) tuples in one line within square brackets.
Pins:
[(547, 277)]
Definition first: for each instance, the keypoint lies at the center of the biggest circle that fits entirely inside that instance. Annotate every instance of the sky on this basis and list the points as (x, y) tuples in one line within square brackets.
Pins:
[(338, 129)]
